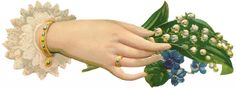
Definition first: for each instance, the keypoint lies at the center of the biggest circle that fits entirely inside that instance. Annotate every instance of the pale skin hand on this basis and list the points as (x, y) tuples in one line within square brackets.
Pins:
[(98, 42)]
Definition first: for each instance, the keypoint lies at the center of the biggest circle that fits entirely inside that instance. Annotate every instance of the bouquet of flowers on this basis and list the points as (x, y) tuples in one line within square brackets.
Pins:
[(189, 37)]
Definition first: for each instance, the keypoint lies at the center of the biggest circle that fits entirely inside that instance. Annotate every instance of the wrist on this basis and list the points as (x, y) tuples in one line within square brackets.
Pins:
[(53, 38)]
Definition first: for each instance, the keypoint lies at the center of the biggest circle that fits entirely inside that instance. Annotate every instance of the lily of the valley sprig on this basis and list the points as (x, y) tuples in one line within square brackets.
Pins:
[(190, 38)]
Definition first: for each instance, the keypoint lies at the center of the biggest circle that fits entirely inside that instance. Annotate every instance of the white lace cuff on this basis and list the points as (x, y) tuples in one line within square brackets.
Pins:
[(21, 42)]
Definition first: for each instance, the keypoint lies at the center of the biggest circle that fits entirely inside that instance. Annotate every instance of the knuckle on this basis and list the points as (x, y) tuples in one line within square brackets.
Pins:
[(111, 60), (111, 48), (116, 36)]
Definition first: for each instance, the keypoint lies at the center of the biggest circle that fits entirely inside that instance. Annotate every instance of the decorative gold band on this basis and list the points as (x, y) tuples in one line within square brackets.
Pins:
[(43, 42)]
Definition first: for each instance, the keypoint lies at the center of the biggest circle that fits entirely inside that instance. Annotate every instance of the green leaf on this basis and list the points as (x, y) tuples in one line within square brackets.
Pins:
[(202, 24), (157, 74), (89, 68), (157, 18), (222, 59)]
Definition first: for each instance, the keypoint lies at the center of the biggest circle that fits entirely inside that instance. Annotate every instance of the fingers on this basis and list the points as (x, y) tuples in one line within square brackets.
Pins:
[(133, 62), (140, 43), (131, 52), (135, 29), (118, 72)]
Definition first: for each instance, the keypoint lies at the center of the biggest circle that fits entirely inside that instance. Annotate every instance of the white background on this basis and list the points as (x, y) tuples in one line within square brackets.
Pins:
[(220, 14)]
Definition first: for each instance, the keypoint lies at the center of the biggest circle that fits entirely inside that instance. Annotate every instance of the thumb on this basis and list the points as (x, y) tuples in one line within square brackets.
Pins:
[(118, 72)]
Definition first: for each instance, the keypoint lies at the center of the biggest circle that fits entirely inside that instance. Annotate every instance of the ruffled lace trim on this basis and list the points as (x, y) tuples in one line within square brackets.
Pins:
[(21, 44)]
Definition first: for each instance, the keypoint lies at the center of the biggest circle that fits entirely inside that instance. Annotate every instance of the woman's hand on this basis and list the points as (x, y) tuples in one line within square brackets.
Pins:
[(99, 42)]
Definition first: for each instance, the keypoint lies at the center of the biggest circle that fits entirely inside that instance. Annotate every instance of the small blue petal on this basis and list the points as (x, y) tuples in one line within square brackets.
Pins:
[(174, 81), (202, 65), (195, 62), (165, 55), (182, 74), (180, 80), (194, 70), (193, 65), (168, 64), (174, 71), (202, 70), (179, 59), (176, 66), (170, 75), (179, 71), (174, 54)]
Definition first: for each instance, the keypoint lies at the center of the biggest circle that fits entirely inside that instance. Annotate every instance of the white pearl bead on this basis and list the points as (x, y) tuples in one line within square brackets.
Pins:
[(191, 15), (230, 53), (174, 38), (230, 46), (215, 68), (185, 46), (175, 28), (194, 28), (184, 22), (193, 49), (219, 36), (211, 65), (219, 45), (158, 31), (224, 46), (179, 19), (166, 37), (185, 33), (205, 30), (204, 37), (203, 51), (213, 40), (208, 58), (193, 38)]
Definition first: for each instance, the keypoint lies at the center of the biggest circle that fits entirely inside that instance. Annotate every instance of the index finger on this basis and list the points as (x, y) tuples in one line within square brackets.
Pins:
[(138, 42), (140, 31)]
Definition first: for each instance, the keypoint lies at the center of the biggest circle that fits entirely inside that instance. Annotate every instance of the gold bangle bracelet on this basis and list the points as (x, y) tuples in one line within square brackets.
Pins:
[(43, 43)]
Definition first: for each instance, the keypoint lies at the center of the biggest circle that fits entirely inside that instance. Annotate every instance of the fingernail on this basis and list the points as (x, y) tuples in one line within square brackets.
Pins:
[(151, 39), (151, 33), (167, 46)]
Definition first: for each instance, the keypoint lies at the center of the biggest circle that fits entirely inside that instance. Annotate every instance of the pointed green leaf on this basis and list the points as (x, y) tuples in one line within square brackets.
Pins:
[(89, 68), (157, 18)]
